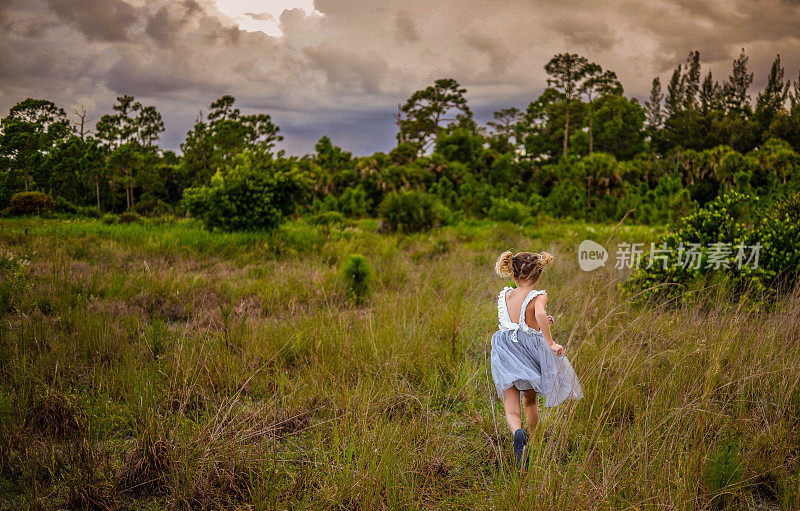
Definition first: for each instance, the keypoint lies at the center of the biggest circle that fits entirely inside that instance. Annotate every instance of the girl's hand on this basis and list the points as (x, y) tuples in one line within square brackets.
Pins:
[(557, 349), (551, 319)]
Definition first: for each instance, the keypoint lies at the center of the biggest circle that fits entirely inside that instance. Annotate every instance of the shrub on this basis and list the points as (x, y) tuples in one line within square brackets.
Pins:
[(14, 282), (256, 192), (327, 218), (412, 211), (88, 211), (128, 217), (30, 203), (739, 222), (722, 469), (152, 207), (109, 218), (354, 202), (505, 210), (567, 200), (62, 205), (357, 275)]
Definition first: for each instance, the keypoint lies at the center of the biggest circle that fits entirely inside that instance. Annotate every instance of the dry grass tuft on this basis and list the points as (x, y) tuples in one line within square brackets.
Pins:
[(54, 416), (148, 465)]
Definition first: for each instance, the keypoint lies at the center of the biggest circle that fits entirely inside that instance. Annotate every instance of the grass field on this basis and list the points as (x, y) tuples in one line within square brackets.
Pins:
[(149, 366)]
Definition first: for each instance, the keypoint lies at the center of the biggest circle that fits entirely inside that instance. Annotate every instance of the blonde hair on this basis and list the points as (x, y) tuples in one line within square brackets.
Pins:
[(523, 266)]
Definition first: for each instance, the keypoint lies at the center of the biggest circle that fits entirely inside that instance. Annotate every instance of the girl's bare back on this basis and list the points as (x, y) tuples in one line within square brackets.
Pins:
[(514, 299)]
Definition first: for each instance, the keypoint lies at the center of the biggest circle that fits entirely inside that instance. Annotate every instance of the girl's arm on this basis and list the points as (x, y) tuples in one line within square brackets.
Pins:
[(543, 321)]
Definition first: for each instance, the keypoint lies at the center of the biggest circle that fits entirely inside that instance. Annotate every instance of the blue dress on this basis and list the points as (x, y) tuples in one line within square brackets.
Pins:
[(521, 358)]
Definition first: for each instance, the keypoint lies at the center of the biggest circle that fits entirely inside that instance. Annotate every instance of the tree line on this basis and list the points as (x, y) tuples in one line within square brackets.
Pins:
[(581, 149)]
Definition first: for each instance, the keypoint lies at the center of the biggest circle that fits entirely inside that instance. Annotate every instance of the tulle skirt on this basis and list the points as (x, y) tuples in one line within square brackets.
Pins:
[(530, 364)]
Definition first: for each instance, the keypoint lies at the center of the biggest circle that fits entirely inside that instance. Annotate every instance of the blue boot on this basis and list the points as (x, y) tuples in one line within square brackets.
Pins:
[(520, 440)]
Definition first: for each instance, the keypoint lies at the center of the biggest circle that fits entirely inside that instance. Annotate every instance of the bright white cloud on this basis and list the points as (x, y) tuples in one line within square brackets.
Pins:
[(261, 15)]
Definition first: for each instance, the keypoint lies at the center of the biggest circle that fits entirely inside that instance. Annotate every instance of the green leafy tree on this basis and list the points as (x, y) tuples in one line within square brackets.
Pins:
[(132, 122), (567, 70), (130, 135), (254, 193), (567, 199), (786, 126), (29, 131), (505, 127), (214, 142), (66, 165), (619, 127), (460, 144), (602, 174), (421, 118), (330, 156), (542, 126), (597, 83)]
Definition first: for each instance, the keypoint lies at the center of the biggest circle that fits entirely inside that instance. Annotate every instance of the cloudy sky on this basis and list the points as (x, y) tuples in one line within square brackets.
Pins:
[(341, 67)]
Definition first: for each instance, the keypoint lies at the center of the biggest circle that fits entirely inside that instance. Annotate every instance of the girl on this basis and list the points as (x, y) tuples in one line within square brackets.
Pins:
[(524, 357)]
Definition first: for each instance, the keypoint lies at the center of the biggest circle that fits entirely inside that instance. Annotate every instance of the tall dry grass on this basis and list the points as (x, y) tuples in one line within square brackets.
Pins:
[(160, 366)]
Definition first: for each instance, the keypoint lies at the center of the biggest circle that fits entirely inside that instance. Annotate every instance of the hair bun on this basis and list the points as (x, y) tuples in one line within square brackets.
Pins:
[(544, 259), (503, 266)]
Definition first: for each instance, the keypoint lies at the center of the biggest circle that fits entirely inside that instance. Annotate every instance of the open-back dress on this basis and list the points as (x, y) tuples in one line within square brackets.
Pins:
[(521, 358)]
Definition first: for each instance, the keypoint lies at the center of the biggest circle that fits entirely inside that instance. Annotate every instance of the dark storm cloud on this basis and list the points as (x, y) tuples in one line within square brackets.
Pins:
[(343, 70), (361, 72), (587, 32), (99, 20), (406, 29)]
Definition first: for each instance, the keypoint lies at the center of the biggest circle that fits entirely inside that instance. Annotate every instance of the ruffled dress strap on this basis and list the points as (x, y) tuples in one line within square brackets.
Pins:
[(524, 326), (503, 318)]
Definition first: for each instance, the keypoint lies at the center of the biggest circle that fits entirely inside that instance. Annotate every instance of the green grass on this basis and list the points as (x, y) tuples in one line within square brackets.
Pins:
[(149, 366)]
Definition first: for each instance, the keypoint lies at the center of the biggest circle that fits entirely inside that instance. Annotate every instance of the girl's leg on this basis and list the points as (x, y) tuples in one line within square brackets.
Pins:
[(512, 409), (531, 408)]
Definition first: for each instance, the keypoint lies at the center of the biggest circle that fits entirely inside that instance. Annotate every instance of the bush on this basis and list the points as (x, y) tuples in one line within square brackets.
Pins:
[(722, 469), (357, 275), (412, 211), (327, 218), (30, 203), (62, 205), (354, 202), (88, 211), (505, 210), (109, 218), (739, 222), (14, 283), (567, 200), (128, 217), (256, 192), (152, 207)]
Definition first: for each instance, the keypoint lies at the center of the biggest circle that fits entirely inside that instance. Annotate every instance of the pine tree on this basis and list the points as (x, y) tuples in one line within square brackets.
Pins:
[(597, 83), (794, 96), (773, 98), (735, 89), (653, 105), (691, 80), (710, 94), (566, 71), (675, 91)]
